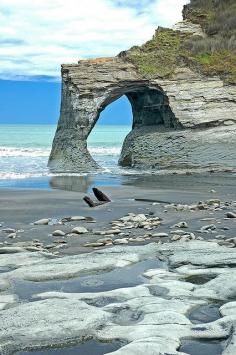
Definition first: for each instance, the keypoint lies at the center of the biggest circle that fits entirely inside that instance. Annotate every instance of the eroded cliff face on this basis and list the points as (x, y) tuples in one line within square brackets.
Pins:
[(183, 106)]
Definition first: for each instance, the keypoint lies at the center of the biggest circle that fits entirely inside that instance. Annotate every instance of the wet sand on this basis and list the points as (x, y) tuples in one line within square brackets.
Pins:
[(20, 208), (169, 209)]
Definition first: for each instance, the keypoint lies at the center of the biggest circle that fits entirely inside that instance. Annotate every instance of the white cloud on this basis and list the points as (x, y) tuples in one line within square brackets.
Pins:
[(36, 36)]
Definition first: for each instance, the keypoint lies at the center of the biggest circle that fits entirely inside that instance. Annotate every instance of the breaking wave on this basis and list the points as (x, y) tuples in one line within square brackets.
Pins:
[(111, 151), (44, 152), (23, 152)]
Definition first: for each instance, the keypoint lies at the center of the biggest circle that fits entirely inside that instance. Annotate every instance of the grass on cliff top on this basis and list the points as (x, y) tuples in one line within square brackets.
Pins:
[(215, 16), (213, 55), (159, 56)]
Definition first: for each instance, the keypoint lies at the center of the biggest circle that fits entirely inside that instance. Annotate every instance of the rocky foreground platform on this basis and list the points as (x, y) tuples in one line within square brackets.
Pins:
[(154, 277), (152, 317)]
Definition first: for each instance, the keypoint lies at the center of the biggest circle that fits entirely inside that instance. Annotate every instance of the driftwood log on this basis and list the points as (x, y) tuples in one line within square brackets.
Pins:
[(101, 197)]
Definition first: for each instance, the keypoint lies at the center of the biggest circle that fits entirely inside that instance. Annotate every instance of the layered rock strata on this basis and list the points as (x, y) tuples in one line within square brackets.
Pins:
[(185, 101), (154, 316)]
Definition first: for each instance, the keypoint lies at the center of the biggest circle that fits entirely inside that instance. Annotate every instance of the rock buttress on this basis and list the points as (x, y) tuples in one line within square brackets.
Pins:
[(184, 101)]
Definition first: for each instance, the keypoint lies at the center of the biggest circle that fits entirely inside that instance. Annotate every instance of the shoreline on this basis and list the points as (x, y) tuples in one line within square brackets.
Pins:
[(84, 182), (153, 269), (20, 208)]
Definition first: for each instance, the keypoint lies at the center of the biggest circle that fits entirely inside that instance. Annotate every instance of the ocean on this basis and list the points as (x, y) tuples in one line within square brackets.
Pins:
[(24, 149)]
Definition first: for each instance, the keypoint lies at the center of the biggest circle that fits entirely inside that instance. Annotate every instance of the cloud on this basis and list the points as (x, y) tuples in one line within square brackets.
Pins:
[(37, 36), (11, 41)]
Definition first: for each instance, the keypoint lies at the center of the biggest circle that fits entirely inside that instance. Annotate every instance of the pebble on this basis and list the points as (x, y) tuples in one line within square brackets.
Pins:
[(214, 201), (200, 238), (77, 218), (42, 222), (210, 227), (121, 241), (178, 231), (192, 236), (32, 248), (231, 215), (50, 246), (180, 225), (79, 230), (95, 245), (176, 237), (113, 231), (220, 237), (184, 239), (160, 235), (207, 219), (12, 235), (140, 218), (231, 240), (105, 240), (60, 241), (227, 244), (138, 239), (9, 230), (58, 233)]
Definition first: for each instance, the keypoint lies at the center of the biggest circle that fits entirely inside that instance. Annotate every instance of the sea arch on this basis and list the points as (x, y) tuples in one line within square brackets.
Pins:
[(87, 89)]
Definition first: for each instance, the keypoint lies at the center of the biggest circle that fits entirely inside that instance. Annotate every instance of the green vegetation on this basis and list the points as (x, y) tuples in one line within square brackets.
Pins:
[(159, 56), (214, 54)]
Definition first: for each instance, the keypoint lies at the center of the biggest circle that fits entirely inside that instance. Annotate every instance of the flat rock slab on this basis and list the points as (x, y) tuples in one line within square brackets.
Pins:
[(150, 318)]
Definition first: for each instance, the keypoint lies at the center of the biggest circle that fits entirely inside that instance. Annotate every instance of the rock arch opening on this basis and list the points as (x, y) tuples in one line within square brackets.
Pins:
[(148, 107), (107, 136), (80, 111)]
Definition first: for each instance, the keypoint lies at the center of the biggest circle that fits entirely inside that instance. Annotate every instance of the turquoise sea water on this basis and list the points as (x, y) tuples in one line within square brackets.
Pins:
[(24, 149)]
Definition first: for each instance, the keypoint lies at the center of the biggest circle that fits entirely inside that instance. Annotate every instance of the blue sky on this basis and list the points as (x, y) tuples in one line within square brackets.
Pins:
[(38, 102), (37, 36)]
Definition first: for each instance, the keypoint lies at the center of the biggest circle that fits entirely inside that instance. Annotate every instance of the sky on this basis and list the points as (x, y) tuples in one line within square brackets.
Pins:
[(36, 36)]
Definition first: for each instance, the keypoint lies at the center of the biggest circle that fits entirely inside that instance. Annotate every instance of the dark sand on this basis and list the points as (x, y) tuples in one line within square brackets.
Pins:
[(19, 208)]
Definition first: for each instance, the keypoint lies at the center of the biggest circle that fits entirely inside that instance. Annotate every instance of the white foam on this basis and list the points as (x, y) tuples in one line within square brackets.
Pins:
[(111, 151), (17, 176), (23, 152), (44, 152)]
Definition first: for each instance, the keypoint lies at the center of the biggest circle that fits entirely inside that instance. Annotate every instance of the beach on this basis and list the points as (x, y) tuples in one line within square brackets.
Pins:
[(21, 207), (117, 177), (169, 239), (151, 261)]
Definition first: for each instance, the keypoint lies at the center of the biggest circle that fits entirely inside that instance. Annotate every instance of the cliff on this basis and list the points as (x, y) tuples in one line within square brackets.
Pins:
[(181, 93), (205, 42)]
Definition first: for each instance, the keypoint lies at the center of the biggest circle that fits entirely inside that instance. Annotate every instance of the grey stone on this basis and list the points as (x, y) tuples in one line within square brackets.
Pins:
[(58, 233), (180, 225), (210, 227), (9, 230), (43, 221), (189, 27), (77, 218), (94, 244), (160, 235), (79, 230), (231, 215), (11, 235), (121, 241)]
